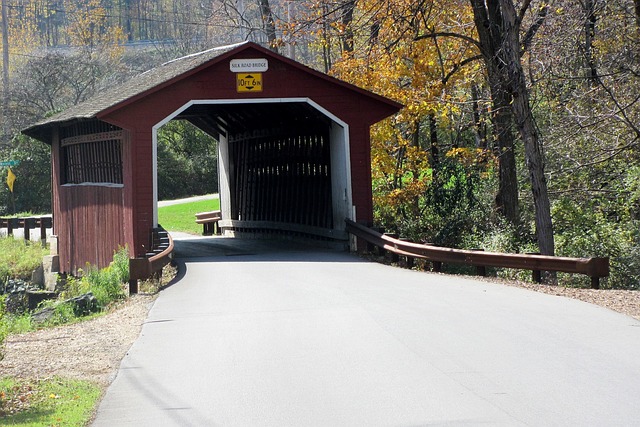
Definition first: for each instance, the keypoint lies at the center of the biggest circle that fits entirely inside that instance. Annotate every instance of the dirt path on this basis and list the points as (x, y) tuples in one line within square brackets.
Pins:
[(90, 350)]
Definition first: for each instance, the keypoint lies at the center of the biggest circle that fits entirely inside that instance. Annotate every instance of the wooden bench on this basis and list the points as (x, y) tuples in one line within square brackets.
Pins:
[(209, 221)]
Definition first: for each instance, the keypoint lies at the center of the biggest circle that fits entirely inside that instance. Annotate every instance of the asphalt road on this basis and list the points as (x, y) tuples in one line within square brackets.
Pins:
[(293, 336)]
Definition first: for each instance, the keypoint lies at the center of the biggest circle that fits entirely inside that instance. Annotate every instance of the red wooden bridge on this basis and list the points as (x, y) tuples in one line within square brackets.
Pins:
[(294, 151)]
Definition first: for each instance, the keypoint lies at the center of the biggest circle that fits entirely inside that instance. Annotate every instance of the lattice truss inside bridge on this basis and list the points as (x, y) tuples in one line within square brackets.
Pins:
[(279, 160)]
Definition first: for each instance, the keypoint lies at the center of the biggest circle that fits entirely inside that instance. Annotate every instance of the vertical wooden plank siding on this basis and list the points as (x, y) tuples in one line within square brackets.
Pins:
[(55, 179), (282, 178), (361, 173), (127, 197), (142, 182), (89, 218), (90, 225)]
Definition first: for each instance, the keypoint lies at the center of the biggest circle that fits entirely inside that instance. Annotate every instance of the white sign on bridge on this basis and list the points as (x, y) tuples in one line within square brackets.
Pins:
[(258, 65)]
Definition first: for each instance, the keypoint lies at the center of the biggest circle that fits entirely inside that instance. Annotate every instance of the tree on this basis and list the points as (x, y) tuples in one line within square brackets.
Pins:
[(269, 25), (499, 26), (424, 178), (515, 82)]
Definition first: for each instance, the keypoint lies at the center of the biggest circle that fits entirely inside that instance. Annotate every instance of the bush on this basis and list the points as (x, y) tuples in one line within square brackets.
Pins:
[(185, 148), (32, 189), (583, 230), (105, 284)]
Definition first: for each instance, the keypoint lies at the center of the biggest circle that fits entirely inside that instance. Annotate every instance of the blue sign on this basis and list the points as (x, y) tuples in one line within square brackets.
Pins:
[(10, 163)]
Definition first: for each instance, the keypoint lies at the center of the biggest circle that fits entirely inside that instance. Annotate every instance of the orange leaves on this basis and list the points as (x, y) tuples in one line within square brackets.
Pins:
[(470, 156), (422, 55)]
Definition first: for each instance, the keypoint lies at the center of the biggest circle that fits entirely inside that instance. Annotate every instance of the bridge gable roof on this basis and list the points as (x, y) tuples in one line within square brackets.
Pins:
[(155, 79)]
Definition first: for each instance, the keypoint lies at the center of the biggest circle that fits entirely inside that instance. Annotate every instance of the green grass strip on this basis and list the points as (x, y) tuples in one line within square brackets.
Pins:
[(18, 257), (182, 217), (53, 402)]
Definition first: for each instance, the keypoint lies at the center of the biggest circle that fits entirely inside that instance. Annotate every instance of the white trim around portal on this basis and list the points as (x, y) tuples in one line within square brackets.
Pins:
[(324, 111)]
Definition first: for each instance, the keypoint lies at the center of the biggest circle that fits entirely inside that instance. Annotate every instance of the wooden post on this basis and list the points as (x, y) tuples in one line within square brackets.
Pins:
[(481, 270), (595, 282), (536, 274), (43, 230), (139, 268), (411, 262), (133, 286), (437, 266), (26, 226), (409, 259)]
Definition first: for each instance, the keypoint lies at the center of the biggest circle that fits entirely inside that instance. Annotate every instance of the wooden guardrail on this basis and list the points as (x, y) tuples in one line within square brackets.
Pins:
[(27, 224), (153, 261), (595, 268)]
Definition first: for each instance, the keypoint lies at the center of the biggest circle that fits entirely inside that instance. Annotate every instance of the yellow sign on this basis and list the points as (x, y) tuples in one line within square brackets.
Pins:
[(251, 82), (11, 178)]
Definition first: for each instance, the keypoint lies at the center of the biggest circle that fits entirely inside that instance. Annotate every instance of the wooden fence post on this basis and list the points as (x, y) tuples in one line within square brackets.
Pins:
[(10, 226), (437, 266), (481, 270), (536, 274), (26, 226)]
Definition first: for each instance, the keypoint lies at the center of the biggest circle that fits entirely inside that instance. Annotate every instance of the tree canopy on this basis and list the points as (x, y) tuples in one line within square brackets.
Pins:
[(521, 126)]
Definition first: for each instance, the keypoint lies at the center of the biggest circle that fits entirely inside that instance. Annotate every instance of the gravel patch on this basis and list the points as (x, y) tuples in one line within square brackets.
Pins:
[(89, 350), (622, 301)]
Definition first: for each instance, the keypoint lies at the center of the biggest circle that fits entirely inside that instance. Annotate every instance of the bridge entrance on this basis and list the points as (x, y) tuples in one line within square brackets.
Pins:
[(294, 151), (283, 165)]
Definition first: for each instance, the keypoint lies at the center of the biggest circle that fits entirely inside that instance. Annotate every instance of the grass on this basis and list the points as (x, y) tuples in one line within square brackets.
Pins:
[(182, 217), (26, 214), (50, 402), (18, 258)]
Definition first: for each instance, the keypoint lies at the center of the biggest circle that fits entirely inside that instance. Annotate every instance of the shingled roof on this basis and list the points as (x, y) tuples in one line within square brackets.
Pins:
[(131, 88)]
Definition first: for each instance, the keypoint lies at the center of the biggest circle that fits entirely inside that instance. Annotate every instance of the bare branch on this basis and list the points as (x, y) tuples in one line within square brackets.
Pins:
[(448, 34), (523, 10), (531, 32), (460, 65)]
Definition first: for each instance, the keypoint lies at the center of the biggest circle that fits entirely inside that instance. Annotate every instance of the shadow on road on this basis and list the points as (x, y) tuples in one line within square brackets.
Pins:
[(206, 249)]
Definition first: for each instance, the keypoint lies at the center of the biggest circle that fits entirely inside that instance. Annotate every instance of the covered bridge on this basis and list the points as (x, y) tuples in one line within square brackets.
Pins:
[(294, 150)]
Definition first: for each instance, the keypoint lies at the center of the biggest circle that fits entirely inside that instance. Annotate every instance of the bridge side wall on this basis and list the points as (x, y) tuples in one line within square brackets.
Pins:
[(91, 221)]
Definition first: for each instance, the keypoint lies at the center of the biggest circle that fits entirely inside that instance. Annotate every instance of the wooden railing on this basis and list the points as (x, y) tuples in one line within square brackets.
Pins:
[(160, 255), (595, 268), (27, 224)]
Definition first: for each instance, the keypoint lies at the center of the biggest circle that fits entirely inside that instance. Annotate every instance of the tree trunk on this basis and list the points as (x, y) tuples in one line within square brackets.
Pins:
[(269, 24), (5, 74), (433, 145), (589, 35), (514, 79), (498, 30), (480, 127), (507, 197), (347, 18), (488, 22)]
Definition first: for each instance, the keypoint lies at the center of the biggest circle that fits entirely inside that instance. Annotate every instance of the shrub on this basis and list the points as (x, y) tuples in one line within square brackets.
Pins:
[(588, 232), (106, 284)]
